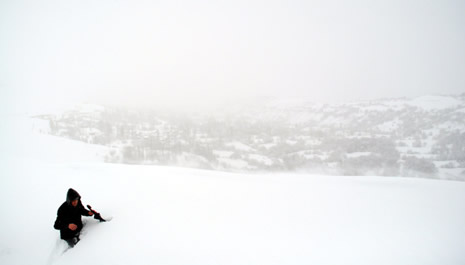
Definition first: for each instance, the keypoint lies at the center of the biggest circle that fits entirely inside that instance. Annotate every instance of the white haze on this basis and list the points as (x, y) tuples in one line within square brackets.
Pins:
[(195, 53)]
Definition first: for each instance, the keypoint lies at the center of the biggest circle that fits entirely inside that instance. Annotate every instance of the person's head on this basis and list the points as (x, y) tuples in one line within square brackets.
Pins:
[(75, 202), (73, 197)]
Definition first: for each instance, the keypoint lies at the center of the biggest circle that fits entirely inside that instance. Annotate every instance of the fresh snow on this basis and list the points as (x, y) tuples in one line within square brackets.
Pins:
[(165, 215)]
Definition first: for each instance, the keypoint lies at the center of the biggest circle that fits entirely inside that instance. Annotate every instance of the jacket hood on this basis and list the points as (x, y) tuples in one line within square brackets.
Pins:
[(72, 195)]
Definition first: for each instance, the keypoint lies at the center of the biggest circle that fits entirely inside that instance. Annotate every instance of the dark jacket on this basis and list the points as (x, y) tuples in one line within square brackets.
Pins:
[(68, 214)]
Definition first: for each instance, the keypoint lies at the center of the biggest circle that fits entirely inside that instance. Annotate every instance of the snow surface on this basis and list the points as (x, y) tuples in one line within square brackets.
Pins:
[(165, 215)]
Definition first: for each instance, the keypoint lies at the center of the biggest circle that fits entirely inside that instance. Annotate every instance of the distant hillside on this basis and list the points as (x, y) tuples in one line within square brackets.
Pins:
[(421, 137)]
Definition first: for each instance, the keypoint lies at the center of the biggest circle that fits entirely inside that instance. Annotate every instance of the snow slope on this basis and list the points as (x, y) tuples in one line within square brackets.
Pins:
[(177, 216)]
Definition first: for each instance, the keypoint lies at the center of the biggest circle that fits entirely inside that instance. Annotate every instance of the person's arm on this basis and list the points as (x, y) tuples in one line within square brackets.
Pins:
[(84, 211), (59, 224)]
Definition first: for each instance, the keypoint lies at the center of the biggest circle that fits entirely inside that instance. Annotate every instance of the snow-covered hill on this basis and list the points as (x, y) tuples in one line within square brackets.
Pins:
[(166, 215), (421, 137)]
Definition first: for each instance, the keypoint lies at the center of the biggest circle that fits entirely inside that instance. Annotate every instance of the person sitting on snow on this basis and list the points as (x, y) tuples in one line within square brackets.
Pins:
[(69, 217)]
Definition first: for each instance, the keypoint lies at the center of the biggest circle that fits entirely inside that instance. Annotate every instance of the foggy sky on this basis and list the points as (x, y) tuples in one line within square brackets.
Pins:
[(177, 52)]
